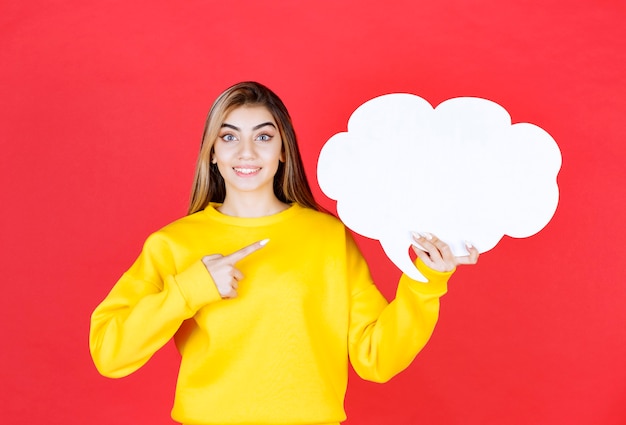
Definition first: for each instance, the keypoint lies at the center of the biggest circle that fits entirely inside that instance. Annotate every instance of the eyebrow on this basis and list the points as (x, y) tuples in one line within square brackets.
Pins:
[(256, 127)]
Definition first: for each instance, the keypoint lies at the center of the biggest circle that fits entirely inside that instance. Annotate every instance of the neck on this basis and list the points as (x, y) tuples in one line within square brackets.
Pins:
[(251, 205)]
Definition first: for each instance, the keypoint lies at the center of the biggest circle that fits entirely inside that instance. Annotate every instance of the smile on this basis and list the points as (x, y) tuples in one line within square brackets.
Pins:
[(246, 171)]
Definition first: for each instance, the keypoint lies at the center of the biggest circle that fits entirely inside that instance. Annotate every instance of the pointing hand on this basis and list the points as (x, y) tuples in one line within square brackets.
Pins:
[(223, 270)]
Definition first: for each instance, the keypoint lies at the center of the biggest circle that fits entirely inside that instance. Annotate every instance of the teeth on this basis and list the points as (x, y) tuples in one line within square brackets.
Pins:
[(246, 170)]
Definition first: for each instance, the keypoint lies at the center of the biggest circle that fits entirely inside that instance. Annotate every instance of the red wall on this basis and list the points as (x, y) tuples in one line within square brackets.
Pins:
[(101, 109)]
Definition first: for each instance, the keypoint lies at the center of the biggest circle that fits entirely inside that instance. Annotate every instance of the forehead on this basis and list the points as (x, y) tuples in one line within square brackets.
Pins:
[(249, 116)]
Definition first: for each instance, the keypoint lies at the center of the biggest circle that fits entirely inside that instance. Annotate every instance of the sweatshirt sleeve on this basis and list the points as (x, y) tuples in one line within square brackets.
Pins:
[(145, 308), (384, 338)]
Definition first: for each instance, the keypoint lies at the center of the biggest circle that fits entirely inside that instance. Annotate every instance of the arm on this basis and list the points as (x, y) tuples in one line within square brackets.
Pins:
[(385, 338), (145, 308)]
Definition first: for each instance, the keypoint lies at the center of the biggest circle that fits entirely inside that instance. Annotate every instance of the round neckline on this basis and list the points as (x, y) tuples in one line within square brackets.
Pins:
[(211, 211)]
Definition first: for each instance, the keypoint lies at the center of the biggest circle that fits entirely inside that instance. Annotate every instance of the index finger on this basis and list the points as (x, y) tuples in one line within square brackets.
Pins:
[(247, 250)]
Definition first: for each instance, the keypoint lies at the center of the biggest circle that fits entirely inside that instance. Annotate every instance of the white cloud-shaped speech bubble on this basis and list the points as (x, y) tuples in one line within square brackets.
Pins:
[(461, 171)]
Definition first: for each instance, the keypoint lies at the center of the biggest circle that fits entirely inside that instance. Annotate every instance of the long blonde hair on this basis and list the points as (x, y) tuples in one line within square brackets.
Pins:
[(290, 183)]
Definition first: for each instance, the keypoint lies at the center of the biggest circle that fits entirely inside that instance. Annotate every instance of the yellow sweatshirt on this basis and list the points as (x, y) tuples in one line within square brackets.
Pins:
[(279, 352)]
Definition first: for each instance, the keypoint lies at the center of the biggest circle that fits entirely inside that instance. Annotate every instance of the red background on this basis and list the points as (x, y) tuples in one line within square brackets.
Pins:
[(102, 108)]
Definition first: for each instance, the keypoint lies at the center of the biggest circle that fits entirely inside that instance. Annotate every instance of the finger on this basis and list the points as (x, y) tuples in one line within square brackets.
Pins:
[(231, 294), (433, 239), (245, 251), (464, 260), (417, 238), (212, 257), (444, 249), (422, 255), (429, 243), (227, 290), (237, 275), (472, 258), (423, 241)]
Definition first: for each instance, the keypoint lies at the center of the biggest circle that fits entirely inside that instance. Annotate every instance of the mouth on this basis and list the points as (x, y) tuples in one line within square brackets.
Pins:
[(246, 171)]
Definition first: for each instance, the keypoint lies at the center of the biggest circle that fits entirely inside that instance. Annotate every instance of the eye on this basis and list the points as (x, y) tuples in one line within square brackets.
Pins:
[(264, 137), (228, 137)]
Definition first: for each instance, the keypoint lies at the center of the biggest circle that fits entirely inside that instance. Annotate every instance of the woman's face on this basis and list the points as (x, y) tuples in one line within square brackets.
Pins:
[(247, 151)]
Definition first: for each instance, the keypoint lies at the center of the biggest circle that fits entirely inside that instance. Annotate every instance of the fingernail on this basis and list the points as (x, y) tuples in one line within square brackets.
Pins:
[(469, 244), (427, 236), (264, 242)]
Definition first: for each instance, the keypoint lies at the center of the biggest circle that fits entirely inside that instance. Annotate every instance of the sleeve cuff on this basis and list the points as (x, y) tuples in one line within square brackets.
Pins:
[(196, 286), (437, 281)]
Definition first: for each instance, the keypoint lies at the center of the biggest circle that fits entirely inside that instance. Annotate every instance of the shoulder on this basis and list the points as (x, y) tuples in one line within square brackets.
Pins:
[(319, 218), (184, 223), (177, 229), (324, 228)]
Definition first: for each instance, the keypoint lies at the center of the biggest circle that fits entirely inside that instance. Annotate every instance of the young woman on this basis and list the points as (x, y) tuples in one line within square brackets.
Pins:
[(267, 298)]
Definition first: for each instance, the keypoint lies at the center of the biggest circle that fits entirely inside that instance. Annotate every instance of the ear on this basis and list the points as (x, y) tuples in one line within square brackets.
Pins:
[(282, 157)]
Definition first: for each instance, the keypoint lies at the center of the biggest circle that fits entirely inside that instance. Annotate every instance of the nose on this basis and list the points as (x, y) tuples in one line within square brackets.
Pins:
[(246, 148)]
